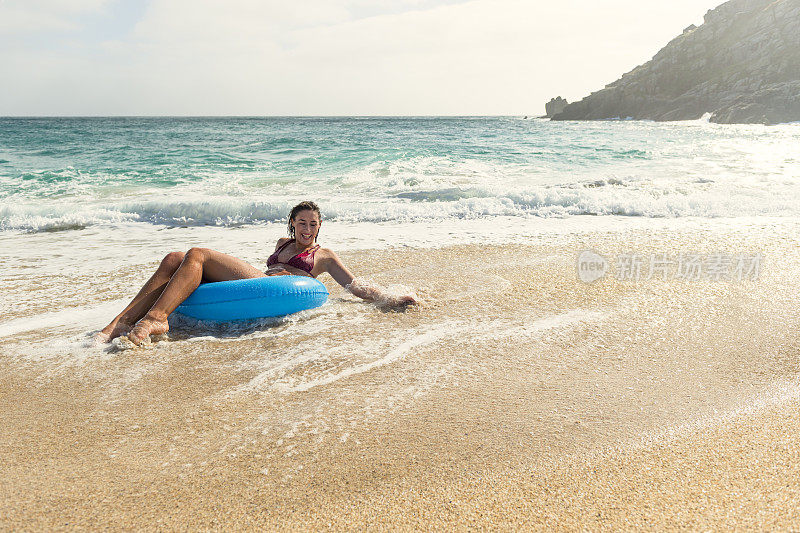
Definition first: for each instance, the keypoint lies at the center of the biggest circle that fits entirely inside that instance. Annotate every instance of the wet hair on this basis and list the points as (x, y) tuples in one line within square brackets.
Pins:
[(302, 206)]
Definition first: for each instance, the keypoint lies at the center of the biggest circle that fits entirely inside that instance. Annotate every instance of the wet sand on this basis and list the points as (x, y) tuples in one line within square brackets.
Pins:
[(516, 396)]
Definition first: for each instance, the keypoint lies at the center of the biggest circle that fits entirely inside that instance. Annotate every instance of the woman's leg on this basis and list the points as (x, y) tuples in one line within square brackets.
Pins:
[(143, 301), (199, 264)]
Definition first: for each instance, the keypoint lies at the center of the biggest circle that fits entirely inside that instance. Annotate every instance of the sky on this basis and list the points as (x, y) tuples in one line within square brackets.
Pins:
[(322, 57)]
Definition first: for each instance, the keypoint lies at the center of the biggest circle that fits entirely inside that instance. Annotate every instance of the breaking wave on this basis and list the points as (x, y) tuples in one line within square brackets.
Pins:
[(701, 198)]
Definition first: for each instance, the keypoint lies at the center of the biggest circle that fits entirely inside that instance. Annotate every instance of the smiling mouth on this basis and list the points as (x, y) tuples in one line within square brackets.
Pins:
[(305, 235)]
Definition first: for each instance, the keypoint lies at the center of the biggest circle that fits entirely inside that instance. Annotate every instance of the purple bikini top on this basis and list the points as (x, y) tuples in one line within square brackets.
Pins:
[(304, 260)]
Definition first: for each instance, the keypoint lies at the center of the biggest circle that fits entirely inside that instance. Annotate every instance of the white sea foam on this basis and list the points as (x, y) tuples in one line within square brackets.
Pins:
[(419, 340), (704, 119), (700, 196), (82, 317), (339, 361)]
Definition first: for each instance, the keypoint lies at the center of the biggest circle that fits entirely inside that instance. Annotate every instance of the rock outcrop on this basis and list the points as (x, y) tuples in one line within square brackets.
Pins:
[(554, 106), (742, 65)]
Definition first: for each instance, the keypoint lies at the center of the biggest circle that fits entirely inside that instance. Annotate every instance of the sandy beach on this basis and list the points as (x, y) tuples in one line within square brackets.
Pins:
[(516, 396), (597, 219)]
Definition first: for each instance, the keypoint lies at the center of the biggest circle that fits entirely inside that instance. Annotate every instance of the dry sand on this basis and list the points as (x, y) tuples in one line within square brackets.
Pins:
[(517, 397)]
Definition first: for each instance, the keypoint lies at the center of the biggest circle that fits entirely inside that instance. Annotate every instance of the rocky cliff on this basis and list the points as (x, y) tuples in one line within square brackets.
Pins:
[(742, 65), (554, 106)]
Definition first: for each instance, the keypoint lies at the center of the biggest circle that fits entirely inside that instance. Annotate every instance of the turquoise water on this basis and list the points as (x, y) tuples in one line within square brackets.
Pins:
[(72, 173)]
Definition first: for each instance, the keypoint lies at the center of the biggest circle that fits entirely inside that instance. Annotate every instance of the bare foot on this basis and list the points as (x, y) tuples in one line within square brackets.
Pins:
[(146, 327), (115, 329), (100, 338)]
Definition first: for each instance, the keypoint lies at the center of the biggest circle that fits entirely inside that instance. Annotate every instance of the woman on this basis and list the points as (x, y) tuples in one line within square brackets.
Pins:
[(180, 273)]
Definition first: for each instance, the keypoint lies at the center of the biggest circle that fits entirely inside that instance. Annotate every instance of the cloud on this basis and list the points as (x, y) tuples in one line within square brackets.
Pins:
[(232, 22), (356, 57), (26, 16)]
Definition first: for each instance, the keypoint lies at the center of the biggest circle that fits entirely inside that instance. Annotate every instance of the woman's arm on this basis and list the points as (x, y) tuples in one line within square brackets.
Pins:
[(362, 288)]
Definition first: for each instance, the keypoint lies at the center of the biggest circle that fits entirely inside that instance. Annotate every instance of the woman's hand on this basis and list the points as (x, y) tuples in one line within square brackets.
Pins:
[(389, 297), (368, 290), (402, 301)]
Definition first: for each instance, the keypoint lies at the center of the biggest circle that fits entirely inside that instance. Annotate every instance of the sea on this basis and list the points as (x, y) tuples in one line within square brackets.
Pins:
[(71, 174), (512, 357)]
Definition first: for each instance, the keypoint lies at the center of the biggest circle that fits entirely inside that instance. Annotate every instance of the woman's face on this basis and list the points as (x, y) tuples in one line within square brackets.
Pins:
[(306, 227)]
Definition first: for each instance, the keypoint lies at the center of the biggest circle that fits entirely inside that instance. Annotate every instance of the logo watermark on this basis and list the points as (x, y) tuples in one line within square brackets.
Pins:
[(592, 266)]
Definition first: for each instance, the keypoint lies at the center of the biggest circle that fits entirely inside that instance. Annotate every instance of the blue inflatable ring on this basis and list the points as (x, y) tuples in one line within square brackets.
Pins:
[(248, 299)]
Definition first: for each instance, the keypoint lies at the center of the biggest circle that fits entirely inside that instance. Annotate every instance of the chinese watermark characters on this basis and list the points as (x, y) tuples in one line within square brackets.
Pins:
[(592, 266)]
